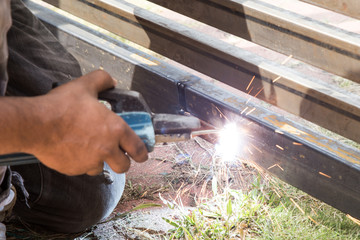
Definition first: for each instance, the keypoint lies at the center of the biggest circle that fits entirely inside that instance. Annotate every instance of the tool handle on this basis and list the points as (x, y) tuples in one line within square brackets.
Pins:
[(122, 100), (142, 125), (132, 107)]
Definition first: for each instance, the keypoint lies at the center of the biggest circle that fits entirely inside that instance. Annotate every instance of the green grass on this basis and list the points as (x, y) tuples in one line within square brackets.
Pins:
[(272, 210)]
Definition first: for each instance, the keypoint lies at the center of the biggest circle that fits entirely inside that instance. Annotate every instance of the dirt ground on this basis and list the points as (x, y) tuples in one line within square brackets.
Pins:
[(179, 173)]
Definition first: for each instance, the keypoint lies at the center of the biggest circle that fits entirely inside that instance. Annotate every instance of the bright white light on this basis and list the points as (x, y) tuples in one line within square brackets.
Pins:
[(230, 143)]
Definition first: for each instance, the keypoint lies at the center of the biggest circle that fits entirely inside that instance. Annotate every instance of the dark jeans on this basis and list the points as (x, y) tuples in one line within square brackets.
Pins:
[(55, 202)]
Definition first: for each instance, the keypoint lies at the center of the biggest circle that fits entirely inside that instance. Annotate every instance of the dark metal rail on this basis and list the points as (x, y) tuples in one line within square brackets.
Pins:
[(329, 107), (310, 161)]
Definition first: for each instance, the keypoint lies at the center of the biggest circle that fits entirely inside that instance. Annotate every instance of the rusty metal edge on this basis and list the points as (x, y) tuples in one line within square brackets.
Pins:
[(301, 163)]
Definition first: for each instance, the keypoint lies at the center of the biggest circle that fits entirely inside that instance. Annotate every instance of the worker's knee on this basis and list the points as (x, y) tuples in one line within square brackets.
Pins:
[(67, 204)]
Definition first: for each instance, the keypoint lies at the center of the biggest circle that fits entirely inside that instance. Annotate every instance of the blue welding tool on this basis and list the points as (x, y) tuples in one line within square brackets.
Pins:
[(142, 125)]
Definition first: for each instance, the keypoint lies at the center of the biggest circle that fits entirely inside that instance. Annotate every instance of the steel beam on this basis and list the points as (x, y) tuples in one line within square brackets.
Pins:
[(307, 97), (311, 41), (310, 161), (347, 7)]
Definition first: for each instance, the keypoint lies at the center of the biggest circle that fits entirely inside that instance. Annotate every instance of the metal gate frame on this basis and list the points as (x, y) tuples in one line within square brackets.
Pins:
[(322, 167)]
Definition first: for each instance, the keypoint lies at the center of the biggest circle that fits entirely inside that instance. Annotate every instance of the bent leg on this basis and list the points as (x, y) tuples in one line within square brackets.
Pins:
[(66, 204)]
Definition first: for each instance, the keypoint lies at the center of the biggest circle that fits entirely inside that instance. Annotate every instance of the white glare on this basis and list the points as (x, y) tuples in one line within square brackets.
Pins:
[(230, 141)]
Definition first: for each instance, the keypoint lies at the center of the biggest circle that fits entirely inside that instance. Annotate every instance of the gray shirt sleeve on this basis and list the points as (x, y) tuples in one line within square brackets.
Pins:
[(5, 23)]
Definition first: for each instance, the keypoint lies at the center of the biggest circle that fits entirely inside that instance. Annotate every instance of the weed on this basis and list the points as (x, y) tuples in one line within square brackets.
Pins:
[(262, 212)]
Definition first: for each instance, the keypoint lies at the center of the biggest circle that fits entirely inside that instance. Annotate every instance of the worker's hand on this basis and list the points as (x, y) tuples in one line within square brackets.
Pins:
[(77, 134)]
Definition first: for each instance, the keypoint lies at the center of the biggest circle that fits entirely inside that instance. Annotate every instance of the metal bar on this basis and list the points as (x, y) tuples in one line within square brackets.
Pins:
[(316, 43), (302, 154), (328, 107), (347, 7), (129, 66), (311, 162)]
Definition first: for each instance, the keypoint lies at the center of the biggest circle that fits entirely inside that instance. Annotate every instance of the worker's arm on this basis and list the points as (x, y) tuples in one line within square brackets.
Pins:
[(69, 130)]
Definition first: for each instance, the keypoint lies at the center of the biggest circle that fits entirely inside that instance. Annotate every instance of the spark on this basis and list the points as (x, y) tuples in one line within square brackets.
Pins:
[(276, 79), (357, 221), (244, 110), (276, 165), (230, 140), (250, 82), (297, 205), (284, 207), (279, 167), (313, 220), (280, 147), (144, 194), (250, 90), (221, 113), (250, 111), (259, 92), (254, 95), (314, 211), (271, 166), (283, 62), (287, 59), (297, 144), (276, 192), (256, 148), (325, 175)]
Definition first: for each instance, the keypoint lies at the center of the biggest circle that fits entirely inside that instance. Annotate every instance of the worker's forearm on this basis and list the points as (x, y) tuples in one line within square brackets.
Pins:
[(69, 130), (19, 121)]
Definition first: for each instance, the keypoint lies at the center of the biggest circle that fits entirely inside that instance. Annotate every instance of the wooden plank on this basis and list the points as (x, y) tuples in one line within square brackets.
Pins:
[(313, 42), (346, 7), (300, 163), (306, 97)]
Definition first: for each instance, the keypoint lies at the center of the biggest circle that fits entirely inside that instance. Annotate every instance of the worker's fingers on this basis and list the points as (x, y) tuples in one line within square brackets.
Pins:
[(119, 162), (97, 170), (128, 141), (131, 143), (98, 81)]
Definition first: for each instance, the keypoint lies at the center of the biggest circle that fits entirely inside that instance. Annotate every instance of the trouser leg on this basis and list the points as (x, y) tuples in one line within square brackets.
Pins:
[(36, 59), (66, 204), (56, 202)]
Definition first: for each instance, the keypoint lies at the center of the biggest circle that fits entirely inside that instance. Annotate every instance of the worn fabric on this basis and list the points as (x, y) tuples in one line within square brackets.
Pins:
[(67, 204), (46, 198), (5, 23), (36, 59)]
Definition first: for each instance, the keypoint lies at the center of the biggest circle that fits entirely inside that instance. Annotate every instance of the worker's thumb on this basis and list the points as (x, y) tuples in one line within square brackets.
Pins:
[(98, 81)]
